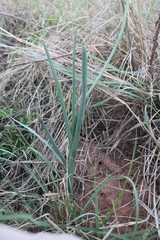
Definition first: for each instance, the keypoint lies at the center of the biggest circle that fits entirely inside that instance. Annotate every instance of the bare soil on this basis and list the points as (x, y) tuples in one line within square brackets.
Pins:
[(97, 162), (95, 168)]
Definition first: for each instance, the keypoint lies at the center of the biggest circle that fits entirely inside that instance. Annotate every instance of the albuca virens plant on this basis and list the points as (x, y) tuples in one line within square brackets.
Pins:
[(73, 127)]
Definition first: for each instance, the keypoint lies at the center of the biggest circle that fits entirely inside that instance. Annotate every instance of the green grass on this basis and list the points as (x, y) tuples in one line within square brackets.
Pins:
[(77, 73)]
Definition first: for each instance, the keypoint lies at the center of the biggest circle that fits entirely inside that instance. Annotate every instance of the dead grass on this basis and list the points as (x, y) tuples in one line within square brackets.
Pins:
[(123, 110)]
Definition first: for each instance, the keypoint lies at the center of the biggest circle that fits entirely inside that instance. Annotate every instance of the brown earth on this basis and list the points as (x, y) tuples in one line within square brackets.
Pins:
[(94, 166), (109, 157)]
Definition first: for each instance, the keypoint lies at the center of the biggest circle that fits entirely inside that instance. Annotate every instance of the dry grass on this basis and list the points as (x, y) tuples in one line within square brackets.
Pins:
[(122, 109)]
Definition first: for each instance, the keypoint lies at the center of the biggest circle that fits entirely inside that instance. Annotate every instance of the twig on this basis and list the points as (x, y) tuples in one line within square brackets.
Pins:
[(37, 61), (21, 19), (155, 44)]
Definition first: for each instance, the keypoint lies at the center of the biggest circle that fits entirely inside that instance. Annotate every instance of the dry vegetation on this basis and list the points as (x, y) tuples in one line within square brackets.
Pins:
[(121, 129)]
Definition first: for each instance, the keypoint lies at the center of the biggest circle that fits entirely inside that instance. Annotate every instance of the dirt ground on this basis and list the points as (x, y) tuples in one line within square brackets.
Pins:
[(95, 169), (97, 162)]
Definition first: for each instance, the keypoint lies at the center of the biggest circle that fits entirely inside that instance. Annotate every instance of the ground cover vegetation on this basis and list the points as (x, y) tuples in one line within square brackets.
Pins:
[(80, 118)]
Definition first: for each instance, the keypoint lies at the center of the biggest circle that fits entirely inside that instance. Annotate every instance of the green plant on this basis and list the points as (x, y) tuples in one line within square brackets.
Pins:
[(6, 112), (73, 127)]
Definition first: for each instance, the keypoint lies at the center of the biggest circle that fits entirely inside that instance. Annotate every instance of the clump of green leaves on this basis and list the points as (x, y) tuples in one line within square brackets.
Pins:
[(73, 127)]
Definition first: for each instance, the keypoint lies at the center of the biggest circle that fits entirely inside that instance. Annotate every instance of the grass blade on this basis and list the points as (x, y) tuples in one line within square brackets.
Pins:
[(124, 185), (39, 137), (82, 104), (52, 142), (79, 118), (73, 87), (113, 51), (58, 87), (43, 187), (45, 160), (96, 192)]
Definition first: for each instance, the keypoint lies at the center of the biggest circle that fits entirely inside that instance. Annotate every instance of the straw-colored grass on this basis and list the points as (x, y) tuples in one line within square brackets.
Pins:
[(38, 160)]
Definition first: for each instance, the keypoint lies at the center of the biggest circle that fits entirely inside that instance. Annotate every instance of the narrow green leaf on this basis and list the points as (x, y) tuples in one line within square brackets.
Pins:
[(43, 187), (113, 51), (97, 222), (146, 119), (38, 136), (124, 185), (17, 217), (79, 121), (73, 86), (54, 146), (48, 162), (59, 90), (96, 192), (82, 105)]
